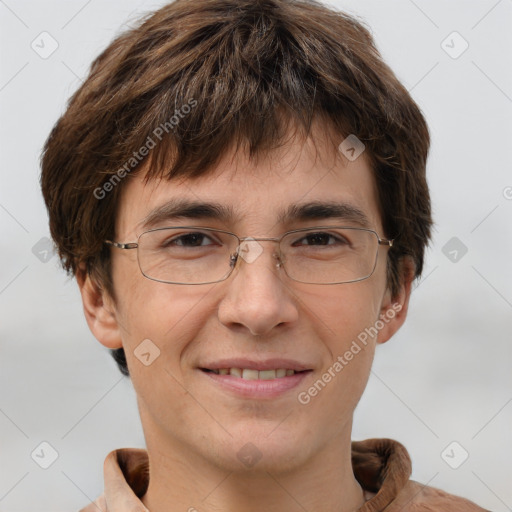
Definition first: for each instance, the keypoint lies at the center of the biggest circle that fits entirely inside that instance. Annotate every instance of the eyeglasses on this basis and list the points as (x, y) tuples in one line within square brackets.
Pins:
[(197, 255)]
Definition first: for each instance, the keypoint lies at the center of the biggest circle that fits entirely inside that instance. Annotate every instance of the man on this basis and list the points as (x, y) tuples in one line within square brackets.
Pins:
[(239, 188)]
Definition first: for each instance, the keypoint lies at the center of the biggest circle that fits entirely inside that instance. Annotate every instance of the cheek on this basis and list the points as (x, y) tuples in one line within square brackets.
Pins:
[(167, 315), (342, 312), (160, 321), (343, 321)]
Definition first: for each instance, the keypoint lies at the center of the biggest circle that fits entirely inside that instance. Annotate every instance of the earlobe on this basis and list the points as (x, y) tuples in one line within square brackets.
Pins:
[(394, 308), (99, 310)]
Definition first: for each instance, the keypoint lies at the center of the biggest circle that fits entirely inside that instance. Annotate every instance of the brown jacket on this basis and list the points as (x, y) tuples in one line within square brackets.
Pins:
[(381, 466)]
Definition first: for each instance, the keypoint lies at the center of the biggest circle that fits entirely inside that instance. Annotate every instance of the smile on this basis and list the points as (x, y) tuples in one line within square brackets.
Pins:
[(251, 374), (249, 379)]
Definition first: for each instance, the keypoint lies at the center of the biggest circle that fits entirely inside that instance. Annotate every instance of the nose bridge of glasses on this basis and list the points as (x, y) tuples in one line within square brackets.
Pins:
[(250, 248), (259, 239)]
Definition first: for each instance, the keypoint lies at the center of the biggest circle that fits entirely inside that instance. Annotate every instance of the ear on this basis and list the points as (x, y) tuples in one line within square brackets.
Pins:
[(99, 309), (394, 309)]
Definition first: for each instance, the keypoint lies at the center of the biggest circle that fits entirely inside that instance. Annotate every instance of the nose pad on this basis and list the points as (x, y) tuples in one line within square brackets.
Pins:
[(279, 261), (233, 258)]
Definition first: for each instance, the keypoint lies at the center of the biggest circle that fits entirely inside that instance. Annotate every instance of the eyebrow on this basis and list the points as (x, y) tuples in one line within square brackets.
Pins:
[(320, 210), (198, 210), (187, 209)]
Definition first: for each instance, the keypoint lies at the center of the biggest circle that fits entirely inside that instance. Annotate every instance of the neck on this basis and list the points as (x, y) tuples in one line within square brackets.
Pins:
[(181, 480)]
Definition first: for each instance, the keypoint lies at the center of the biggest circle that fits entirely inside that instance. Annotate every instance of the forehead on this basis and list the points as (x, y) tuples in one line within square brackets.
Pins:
[(265, 195)]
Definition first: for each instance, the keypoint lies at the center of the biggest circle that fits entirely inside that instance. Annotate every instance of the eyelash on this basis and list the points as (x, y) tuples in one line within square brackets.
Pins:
[(179, 240)]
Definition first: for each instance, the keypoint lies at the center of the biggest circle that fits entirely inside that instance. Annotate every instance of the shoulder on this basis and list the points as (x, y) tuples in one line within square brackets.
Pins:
[(415, 497)]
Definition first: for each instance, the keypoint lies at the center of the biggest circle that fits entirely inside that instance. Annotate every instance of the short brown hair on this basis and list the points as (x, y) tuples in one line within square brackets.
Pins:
[(248, 70)]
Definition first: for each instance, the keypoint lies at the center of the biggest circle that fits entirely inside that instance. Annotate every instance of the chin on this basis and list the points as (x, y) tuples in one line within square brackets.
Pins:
[(262, 449)]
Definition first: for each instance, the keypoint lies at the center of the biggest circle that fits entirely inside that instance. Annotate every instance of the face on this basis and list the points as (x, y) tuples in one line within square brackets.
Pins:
[(257, 319)]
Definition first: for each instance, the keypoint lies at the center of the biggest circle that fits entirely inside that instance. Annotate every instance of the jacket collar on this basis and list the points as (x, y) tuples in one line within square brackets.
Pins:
[(381, 466)]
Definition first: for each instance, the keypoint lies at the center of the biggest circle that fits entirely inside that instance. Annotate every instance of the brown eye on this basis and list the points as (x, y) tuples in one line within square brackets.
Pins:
[(191, 240), (321, 239)]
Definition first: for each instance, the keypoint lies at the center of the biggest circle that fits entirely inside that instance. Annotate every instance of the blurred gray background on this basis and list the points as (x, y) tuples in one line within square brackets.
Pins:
[(442, 386)]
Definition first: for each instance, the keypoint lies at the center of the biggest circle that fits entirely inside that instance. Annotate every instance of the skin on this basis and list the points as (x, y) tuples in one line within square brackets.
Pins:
[(194, 429)]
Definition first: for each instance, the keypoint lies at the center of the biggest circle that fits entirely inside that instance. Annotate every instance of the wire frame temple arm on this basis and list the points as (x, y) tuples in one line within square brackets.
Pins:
[(384, 241), (131, 245)]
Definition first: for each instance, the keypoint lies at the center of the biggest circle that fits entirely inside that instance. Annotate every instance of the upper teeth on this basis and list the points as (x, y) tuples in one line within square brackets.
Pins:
[(246, 373)]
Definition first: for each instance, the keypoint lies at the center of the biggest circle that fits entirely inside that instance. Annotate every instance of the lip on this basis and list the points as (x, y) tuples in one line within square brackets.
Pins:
[(256, 389)]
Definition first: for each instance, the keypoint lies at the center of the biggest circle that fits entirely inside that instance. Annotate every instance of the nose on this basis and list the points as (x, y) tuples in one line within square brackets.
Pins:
[(256, 298)]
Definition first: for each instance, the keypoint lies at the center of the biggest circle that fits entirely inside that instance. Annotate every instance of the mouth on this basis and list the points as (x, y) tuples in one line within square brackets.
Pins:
[(251, 374), (255, 380)]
